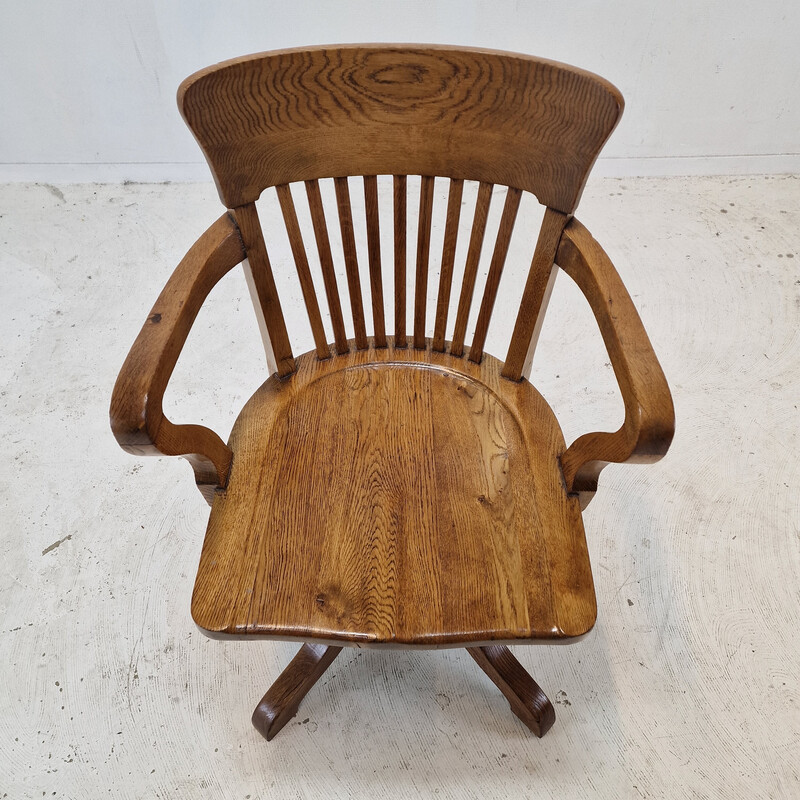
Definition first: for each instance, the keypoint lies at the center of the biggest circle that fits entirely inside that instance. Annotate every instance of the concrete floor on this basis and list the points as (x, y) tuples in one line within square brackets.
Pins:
[(687, 687)]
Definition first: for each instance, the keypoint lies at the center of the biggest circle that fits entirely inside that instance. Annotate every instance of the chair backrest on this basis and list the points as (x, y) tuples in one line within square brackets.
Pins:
[(365, 110)]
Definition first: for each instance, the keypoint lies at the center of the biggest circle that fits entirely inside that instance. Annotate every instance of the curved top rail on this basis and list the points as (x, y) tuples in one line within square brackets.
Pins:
[(465, 113)]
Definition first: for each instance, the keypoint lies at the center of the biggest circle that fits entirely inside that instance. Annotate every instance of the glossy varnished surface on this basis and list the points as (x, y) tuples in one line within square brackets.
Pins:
[(526, 698), (395, 496), (507, 118), (280, 703)]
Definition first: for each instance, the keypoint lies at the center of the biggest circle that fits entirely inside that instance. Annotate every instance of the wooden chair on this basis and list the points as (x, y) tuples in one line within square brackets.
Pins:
[(396, 490)]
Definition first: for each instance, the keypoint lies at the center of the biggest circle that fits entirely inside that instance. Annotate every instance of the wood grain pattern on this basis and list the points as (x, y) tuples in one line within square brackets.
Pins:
[(527, 700), (649, 423), (262, 283), (374, 255), (368, 492), (471, 267), (344, 208), (137, 417), (495, 273), (399, 186), (326, 264), (303, 270), (502, 118), (535, 296), (283, 698), (448, 260)]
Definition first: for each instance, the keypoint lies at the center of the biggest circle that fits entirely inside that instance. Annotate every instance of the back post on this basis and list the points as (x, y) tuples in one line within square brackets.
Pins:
[(535, 297), (261, 283)]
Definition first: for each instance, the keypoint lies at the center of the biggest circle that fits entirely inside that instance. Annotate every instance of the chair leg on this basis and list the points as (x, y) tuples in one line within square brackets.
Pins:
[(526, 697), (283, 698)]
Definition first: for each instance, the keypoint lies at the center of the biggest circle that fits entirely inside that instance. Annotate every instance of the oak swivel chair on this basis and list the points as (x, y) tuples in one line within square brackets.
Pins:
[(396, 490)]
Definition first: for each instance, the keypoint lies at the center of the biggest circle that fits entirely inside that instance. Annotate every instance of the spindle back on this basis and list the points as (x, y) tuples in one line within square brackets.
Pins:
[(366, 110)]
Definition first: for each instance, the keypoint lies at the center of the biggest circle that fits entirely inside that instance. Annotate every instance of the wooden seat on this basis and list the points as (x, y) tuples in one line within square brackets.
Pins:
[(396, 496), (394, 487)]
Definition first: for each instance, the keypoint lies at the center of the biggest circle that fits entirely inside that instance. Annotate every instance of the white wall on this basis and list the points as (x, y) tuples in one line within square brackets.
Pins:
[(87, 88)]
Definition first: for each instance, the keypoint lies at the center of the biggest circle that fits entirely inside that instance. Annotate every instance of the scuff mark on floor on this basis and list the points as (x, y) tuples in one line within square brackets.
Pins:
[(56, 544), (54, 191)]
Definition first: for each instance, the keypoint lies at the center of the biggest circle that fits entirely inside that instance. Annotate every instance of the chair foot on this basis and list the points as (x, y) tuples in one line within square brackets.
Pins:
[(526, 697), (283, 698)]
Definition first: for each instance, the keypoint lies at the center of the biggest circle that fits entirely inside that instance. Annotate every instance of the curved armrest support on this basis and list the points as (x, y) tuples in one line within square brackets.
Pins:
[(649, 423), (137, 418)]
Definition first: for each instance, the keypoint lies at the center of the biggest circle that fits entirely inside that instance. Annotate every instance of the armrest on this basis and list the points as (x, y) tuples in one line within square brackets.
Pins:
[(649, 423), (137, 419)]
